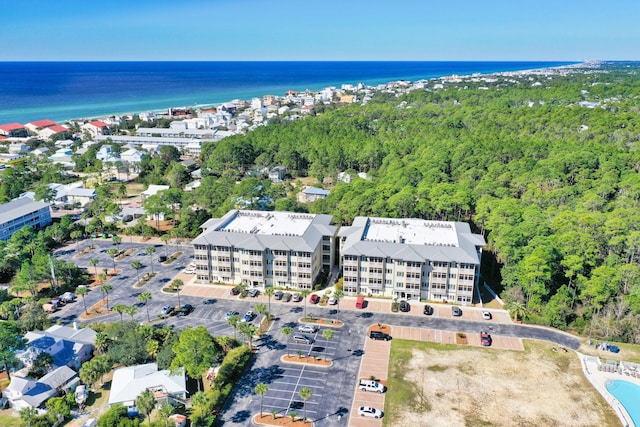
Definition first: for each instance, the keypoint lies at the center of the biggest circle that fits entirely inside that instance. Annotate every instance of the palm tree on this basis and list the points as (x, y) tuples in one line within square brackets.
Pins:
[(120, 309), (327, 334), (287, 331), (131, 310), (200, 400), (165, 239), (106, 288), (143, 298), (102, 277), (338, 295), (145, 402), (82, 291), (261, 308), (150, 251), (234, 321), (165, 412), (261, 389), (75, 235), (116, 239), (176, 285), (305, 293), (248, 330), (305, 394), (113, 252), (518, 310), (268, 290), (136, 265), (94, 263)]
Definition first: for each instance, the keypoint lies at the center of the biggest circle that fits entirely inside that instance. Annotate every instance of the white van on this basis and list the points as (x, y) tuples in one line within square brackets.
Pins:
[(371, 385)]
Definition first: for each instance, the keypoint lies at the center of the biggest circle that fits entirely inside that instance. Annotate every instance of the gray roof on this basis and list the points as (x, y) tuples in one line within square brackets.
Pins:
[(307, 242), (20, 207), (465, 252), (36, 392)]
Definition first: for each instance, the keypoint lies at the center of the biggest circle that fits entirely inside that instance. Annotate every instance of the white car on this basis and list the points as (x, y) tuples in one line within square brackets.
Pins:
[(368, 411), (486, 315), (332, 301), (189, 270), (308, 329)]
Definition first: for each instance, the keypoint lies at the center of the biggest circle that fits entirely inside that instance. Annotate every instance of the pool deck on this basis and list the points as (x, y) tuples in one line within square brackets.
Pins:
[(599, 380)]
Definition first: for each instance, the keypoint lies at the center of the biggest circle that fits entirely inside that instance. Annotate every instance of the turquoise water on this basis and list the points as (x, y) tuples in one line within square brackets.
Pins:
[(629, 395)]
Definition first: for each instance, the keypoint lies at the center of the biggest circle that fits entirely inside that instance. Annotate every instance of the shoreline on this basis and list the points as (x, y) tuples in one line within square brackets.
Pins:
[(237, 91)]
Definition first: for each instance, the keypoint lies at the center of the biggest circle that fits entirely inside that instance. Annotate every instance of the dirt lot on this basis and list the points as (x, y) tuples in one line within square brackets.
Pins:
[(444, 385)]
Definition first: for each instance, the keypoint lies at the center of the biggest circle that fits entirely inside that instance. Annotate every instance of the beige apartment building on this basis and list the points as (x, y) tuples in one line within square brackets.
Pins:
[(260, 249), (411, 259)]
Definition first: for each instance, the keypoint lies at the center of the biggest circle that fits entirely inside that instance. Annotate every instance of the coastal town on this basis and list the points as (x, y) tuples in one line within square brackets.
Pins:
[(136, 256)]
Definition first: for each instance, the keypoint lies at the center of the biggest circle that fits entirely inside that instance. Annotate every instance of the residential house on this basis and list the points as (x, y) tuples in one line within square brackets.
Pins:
[(311, 194), (23, 212), (69, 346), (132, 156), (128, 383), (27, 393), (277, 174), (95, 128), (18, 148), (14, 130), (152, 190), (106, 153)]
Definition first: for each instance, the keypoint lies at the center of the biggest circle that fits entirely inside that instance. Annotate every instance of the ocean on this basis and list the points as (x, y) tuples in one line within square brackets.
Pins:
[(61, 91)]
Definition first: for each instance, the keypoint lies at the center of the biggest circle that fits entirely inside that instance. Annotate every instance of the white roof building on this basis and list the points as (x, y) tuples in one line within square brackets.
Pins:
[(128, 383)]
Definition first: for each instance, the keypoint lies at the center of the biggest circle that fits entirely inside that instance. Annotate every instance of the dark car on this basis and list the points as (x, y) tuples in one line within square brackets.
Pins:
[(404, 306), (428, 310), (185, 310), (277, 295), (167, 310), (236, 290), (314, 299), (379, 336), (456, 311), (485, 339), (162, 258), (286, 297)]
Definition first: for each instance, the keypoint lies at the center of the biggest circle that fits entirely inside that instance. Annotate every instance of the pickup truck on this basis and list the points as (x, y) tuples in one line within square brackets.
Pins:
[(371, 385)]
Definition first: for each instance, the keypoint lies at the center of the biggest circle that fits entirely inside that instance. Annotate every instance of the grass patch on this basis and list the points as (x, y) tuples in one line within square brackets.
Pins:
[(436, 368), (8, 420)]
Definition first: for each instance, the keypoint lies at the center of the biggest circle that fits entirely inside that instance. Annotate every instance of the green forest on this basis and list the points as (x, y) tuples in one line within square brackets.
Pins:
[(552, 184)]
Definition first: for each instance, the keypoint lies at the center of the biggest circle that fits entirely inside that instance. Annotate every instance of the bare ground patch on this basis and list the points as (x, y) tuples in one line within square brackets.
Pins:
[(445, 385)]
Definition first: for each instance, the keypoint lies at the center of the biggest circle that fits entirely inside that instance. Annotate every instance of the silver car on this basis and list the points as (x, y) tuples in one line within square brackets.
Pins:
[(308, 329)]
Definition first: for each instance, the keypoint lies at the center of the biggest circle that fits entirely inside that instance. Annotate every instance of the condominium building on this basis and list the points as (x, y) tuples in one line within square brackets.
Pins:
[(410, 259), (23, 212), (261, 249)]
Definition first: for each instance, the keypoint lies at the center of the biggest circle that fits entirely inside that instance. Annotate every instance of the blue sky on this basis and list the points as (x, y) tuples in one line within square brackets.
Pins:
[(212, 30)]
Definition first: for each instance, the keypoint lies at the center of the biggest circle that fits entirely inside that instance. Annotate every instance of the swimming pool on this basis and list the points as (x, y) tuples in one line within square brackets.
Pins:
[(628, 394)]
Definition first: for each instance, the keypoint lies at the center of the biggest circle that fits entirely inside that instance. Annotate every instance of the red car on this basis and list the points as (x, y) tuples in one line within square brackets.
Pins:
[(313, 299), (485, 339)]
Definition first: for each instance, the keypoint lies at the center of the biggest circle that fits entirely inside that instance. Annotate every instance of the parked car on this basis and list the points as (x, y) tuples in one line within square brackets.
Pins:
[(486, 315), (456, 311), (379, 336), (371, 385), (286, 297), (303, 339), (254, 292), (404, 306), (428, 310), (314, 299), (67, 297), (248, 316), (162, 258), (308, 329), (236, 290), (185, 310), (189, 270), (230, 314), (297, 297), (277, 295), (167, 310), (332, 301), (368, 411), (485, 339)]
